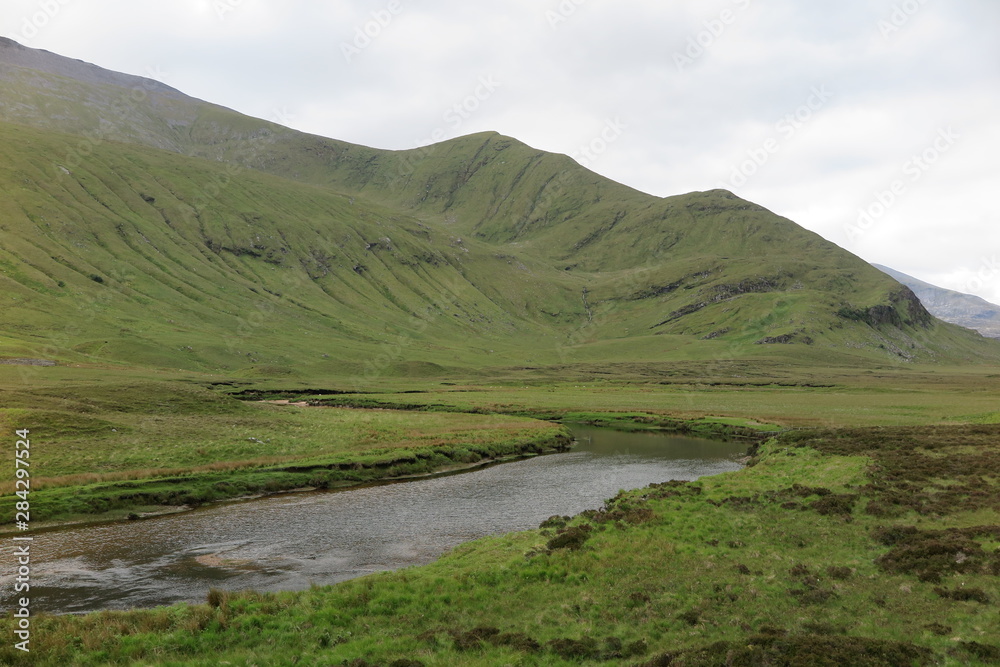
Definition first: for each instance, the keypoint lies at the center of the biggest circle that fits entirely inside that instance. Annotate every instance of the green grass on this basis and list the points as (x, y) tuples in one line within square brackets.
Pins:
[(106, 439), (133, 447), (787, 559), (741, 393)]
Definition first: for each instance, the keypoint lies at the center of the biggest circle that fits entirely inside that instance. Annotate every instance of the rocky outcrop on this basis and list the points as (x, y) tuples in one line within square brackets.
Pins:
[(903, 310)]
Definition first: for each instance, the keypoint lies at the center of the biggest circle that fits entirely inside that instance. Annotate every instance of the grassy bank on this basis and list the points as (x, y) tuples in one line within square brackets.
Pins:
[(838, 547), (120, 450)]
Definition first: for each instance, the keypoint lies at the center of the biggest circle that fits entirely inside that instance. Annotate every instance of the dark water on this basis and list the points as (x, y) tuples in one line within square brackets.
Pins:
[(290, 542)]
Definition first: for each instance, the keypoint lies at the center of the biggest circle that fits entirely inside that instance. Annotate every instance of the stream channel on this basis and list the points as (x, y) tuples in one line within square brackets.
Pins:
[(288, 542)]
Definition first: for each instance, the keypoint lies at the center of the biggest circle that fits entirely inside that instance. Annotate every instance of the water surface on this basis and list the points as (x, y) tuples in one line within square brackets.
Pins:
[(289, 542)]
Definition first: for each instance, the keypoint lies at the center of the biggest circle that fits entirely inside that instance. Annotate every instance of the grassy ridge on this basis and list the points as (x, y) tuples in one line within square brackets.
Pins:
[(138, 256), (125, 258), (830, 550)]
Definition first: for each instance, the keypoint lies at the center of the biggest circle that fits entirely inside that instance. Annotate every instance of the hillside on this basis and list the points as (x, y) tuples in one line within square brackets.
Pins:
[(109, 260), (142, 226), (966, 310)]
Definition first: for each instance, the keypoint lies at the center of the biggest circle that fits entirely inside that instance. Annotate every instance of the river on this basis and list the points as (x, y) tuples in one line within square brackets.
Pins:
[(291, 541)]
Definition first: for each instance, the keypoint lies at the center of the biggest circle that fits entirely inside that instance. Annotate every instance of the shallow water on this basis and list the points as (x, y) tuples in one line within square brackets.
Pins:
[(289, 542)]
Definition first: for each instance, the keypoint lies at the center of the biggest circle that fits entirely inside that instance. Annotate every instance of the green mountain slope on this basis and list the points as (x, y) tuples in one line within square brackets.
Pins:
[(110, 260), (144, 226)]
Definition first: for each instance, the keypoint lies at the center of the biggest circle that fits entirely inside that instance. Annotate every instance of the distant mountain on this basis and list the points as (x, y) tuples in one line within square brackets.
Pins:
[(965, 310), (139, 225)]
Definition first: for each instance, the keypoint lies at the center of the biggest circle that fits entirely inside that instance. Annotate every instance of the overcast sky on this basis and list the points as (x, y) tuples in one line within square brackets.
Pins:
[(875, 123)]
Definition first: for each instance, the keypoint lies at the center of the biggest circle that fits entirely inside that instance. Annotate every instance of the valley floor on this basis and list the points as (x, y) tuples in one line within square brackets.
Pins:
[(865, 532)]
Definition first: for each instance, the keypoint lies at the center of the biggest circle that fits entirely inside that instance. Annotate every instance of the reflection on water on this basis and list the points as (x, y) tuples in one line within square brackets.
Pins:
[(290, 542)]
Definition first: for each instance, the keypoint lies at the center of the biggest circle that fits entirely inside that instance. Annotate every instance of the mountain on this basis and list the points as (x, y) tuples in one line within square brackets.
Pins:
[(143, 226), (967, 310)]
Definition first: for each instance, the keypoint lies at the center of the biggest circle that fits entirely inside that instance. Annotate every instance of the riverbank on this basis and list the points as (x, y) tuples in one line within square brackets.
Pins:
[(137, 500), (870, 546), (125, 454), (283, 543), (180, 491), (120, 453)]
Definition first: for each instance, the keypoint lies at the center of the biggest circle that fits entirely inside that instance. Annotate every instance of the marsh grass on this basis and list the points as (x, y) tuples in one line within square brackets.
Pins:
[(746, 394)]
